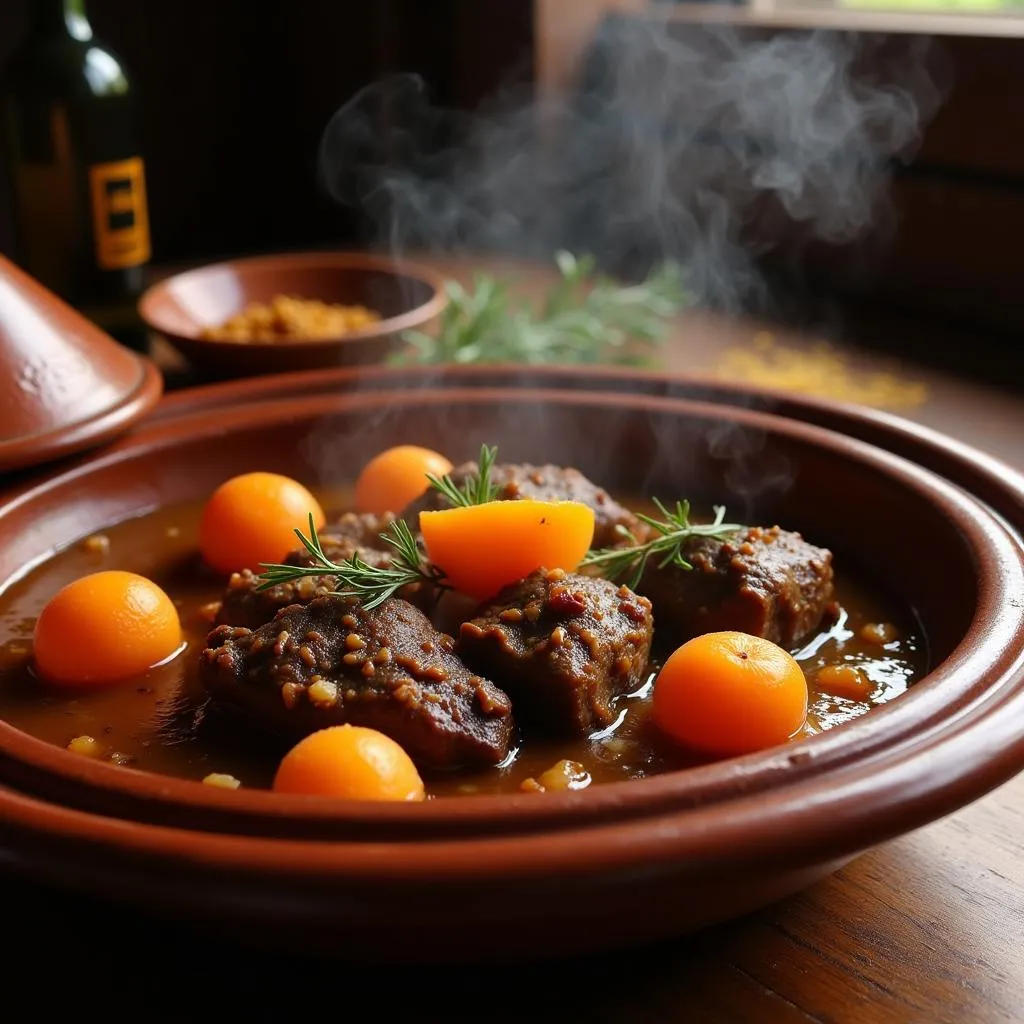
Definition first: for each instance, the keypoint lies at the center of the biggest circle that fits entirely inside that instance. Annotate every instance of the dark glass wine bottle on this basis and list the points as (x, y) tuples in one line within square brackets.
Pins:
[(75, 170)]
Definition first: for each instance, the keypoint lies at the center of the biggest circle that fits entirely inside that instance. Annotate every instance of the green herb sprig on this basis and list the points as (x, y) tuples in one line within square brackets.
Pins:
[(477, 489), (672, 532), (372, 585), (585, 318)]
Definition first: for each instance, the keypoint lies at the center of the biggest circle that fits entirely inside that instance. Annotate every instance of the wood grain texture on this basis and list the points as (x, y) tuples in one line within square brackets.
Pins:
[(808, 14), (928, 929)]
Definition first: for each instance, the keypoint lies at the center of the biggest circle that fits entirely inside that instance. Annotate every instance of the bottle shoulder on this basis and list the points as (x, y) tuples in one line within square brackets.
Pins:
[(68, 67)]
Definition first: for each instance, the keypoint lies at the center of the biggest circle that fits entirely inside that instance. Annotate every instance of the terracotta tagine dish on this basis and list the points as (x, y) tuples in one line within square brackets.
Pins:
[(642, 839)]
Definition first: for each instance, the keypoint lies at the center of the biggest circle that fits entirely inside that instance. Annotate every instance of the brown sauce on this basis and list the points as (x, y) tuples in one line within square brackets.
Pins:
[(162, 722)]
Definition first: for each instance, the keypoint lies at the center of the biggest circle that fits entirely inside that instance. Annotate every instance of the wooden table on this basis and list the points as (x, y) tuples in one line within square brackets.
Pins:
[(928, 928)]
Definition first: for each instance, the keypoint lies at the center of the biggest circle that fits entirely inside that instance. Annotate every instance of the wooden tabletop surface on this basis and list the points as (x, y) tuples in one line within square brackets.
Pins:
[(928, 928)]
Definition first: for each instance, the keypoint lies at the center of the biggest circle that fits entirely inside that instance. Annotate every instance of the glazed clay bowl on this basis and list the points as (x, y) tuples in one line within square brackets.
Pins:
[(612, 864), (180, 307)]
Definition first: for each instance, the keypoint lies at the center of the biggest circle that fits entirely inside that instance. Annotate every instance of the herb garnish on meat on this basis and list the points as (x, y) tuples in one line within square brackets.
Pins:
[(671, 533), (371, 585), (477, 490)]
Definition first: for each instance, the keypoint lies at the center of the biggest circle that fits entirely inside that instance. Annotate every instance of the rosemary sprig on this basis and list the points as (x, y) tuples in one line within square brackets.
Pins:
[(673, 531), (370, 584), (477, 489), (584, 318)]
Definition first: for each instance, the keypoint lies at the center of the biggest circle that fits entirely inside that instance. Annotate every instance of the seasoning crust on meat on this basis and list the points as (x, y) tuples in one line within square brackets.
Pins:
[(563, 646), (332, 661), (352, 534), (763, 580)]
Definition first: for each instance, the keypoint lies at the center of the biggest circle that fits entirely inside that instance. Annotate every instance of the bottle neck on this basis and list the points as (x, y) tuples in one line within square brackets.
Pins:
[(61, 18)]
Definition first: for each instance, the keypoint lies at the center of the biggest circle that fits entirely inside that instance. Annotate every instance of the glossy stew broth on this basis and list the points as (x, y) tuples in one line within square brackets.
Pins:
[(162, 722)]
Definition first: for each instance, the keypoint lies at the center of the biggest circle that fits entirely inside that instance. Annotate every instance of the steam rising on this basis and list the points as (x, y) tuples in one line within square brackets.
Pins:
[(699, 145), (673, 146)]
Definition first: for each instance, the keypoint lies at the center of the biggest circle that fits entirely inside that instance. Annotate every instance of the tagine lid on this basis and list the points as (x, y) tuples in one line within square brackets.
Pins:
[(65, 385)]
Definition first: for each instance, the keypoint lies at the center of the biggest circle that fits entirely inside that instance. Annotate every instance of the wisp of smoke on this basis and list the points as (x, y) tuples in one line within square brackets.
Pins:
[(705, 147), (672, 146)]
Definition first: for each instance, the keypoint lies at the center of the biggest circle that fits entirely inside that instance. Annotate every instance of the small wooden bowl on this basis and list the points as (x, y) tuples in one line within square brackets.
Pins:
[(180, 307)]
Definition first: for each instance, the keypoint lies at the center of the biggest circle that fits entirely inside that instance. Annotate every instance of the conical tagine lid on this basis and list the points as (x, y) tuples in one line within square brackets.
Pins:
[(65, 385)]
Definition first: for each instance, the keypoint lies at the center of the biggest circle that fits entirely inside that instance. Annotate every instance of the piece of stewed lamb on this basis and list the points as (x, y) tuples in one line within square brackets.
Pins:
[(331, 661), (764, 581), (353, 534), (562, 646)]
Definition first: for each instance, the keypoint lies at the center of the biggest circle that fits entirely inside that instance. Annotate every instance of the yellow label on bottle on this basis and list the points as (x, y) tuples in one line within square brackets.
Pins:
[(120, 216)]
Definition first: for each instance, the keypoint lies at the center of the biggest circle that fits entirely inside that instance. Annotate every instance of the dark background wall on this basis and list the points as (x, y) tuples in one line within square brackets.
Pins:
[(234, 96)]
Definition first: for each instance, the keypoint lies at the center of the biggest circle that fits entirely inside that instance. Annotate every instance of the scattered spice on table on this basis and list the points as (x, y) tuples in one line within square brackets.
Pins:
[(820, 370)]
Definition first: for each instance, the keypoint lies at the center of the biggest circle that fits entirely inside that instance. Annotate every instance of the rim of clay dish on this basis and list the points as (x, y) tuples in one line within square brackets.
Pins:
[(985, 476), (416, 316), (956, 734)]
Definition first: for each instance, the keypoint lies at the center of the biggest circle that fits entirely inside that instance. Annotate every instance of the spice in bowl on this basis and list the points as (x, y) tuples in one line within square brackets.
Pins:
[(289, 318)]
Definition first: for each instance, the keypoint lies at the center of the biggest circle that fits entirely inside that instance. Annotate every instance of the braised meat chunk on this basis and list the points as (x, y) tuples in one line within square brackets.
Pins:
[(352, 534), (331, 661), (541, 483), (763, 581), (562, 646)]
